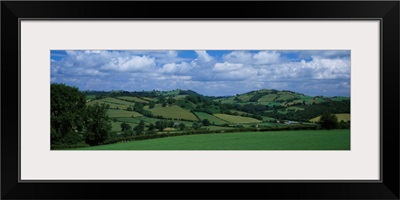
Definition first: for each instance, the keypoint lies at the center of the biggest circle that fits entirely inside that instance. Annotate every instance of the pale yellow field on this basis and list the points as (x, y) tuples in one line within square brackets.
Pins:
[(135, 99), (343, 116)]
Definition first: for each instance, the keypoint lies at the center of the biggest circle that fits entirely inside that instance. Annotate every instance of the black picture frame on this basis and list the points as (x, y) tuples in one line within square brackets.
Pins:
[(386, 11)]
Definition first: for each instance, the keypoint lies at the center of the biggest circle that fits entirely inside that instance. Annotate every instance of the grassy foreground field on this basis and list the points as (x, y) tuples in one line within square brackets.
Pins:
[(274, 140)]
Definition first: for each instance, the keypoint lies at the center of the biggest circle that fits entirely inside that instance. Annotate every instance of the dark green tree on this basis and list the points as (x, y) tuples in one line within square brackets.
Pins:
[(152, 127), (152, 104), (171, 100), (160, 125), (206, 122), (181, 126), (128, 133), (66, 110), (125, 127), (139, 129), (196, 126), (138, 107), (96, 123), (328, 121)]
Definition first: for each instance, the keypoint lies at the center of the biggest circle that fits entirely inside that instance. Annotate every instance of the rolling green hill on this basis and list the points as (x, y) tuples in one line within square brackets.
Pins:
[(153, 114), (258, 108)]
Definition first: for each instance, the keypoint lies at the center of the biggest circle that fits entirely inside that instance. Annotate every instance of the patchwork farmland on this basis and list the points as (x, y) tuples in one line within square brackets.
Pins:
[(250, 118)]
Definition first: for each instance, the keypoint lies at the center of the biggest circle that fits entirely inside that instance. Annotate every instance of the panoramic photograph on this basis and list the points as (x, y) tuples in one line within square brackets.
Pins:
[(200, 99)]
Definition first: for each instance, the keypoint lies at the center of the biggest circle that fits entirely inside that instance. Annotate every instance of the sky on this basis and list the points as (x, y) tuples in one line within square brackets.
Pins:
[(208, 72)]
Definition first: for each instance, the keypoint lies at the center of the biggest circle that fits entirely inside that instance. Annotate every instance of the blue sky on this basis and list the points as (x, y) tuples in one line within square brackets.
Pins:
[(209, 72)]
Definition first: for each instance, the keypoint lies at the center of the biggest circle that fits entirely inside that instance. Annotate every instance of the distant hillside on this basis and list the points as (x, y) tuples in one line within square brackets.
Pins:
[(271, 97), (266, 105)]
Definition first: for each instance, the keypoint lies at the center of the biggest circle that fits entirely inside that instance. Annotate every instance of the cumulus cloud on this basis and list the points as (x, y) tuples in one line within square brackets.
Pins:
[(324, 53), (227, 66), (236, 75), (209, 72), (318, 68), (172, 54), (238, 57), (173, 68), (203, 56), (130, 64), (267, 57)]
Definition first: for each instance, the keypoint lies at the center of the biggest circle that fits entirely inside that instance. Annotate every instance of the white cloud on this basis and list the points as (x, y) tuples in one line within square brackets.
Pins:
[(130, 64), (324, 53), (318, 68), (267, 57), (92, 51), (226, 66), (173, 68), (71, 52), (329, 68), (238, 57), (168, 68), (231, 73), (203, 56), (172, 54), (237, 75)]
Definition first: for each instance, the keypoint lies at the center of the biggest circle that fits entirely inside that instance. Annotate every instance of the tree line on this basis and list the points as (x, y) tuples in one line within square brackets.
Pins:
[(74, 122)]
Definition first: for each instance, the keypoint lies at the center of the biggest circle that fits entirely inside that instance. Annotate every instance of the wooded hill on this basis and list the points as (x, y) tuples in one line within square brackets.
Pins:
[(263, 105)]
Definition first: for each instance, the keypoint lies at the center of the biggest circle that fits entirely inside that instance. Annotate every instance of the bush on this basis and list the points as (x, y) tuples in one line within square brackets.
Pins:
[(328, 121), (206, 122)]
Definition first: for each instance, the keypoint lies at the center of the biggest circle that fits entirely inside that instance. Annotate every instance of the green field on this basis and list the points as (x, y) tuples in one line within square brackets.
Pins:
[(137, 120), (116, 126), (268, 118), (226, 100), (111, 105), (274, 140), (285, 97), (180, 97), (117, 101), (268, 98), (211, 118), (172, 112), (135, 99), (343, 116), (340, 98), (90, 97), (245, 97), (122, 113), (236, 119)]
